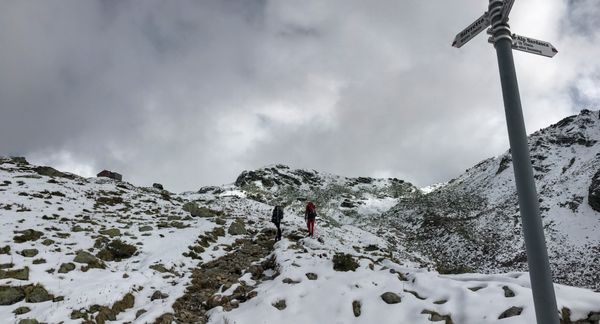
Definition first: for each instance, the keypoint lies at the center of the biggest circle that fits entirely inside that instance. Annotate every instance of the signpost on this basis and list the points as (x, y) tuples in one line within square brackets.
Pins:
[(544, 300)]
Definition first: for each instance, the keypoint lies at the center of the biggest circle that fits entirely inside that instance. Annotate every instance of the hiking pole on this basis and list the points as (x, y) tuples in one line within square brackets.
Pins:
[(544, 299)]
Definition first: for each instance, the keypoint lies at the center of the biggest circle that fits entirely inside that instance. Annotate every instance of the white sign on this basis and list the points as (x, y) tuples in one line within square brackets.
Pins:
[(532, 45), (468, 33), (508, 4)]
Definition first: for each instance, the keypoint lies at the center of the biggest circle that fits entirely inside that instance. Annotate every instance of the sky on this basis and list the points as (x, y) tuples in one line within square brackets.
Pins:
[(190, 93)]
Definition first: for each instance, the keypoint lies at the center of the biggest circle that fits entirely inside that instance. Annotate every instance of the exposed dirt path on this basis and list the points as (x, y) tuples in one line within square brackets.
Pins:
[(249, 255)]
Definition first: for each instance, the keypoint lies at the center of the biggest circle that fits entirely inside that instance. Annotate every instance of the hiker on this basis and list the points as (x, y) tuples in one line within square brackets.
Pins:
[(309, 215), (276, 219)]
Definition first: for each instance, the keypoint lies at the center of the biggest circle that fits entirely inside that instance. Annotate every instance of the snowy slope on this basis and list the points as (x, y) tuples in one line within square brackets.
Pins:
[(473, 223)]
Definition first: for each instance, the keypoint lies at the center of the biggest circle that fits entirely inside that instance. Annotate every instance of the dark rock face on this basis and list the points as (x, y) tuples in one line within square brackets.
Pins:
[(157, 186), (594, 192)]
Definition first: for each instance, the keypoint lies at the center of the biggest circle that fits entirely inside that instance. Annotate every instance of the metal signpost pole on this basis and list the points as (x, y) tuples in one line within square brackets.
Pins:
[(537, 255), (544, 300)]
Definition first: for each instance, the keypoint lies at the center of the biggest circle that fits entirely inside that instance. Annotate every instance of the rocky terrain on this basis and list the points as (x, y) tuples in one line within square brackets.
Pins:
[(95, 250), (472, 224)]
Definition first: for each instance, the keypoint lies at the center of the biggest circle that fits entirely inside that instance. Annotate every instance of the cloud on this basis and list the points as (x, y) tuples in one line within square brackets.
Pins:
[(191, 93)]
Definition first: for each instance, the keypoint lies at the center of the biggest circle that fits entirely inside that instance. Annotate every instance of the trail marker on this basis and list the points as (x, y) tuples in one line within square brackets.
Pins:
[(504, 41)]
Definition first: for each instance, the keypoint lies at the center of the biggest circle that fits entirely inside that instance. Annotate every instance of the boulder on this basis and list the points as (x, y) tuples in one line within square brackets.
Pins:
[(66, 267), (29, 253), (344, 262), (37, 294), (280, 304), (89, 259), (112, 232), (27, 235), (157, 186), (391, 298), (22, 310), (513, 311), (20, 274), (11, 295), (237, 228), (356, 308)]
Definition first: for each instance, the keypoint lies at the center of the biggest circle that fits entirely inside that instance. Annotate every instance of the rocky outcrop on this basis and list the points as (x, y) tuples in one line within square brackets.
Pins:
[(594, 192)]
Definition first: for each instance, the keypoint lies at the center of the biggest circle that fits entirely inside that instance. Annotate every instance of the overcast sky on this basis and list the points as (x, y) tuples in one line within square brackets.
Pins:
[(190, 93)]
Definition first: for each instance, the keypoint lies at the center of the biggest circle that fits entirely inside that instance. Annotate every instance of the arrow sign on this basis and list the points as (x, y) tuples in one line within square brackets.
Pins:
[(532, 45), (508, 4), (473, 30)]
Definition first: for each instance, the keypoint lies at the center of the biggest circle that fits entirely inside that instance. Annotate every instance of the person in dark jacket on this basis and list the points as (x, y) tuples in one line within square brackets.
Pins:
[(310, 214), (276, 219)]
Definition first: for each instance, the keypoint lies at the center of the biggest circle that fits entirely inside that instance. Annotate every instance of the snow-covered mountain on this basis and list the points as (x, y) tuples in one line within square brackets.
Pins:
[(94, 250), (472, 223)]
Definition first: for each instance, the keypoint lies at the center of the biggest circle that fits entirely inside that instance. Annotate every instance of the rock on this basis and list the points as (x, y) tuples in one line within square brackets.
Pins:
[(5, 250), (27, 235), (50, 172), (89, 259), (145, 228), (237, 228), (508, 292), (121, 250), (47, 242), (39, 261), (196, 211), (20, 274), (66, 267), (139, 313), (105, 314), (111, 232), (371, 248), (594, 192), (356, 308), (29, 253), (37, 294), (513, 311), (312, 276), (10, 295), (165, 319), (390, 298), (289, 281), (28, 321), (77, 314), (157, 186), (22, 310), (127, 302), (436, 317), (280, 304), (220, 221), (158, 295), (344, 262)]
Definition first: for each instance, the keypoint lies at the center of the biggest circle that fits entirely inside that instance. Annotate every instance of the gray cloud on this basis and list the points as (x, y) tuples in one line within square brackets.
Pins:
[(190, 93)]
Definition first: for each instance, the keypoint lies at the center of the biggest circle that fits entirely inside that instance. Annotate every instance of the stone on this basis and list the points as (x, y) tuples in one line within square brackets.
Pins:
[(105, 314), (220, 221), (437, 317), (237, 228), (157, 186), (10, 295), (312, 276), (280, 304), (27, 235), (344, 262), (140, 313), (508, 292), (5, 250), (513, 311), (145, 228), (37, 294), (158, 295), (192, 208), (47, 242), (28, 321), (356, 308), (111, 232), (39, 261), (22, 310), (29, 253), (89, 259), (391, 298), (289, 281), (49, 171), (66, 267), (19, 274), (121, 250), (127, 302)]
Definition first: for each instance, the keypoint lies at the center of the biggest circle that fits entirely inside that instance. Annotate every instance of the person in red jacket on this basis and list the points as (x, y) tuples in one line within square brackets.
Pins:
[(309, 215)]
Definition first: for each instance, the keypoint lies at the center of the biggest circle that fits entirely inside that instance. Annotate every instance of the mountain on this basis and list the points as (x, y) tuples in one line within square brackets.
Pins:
[(95, 250), (473, 224)]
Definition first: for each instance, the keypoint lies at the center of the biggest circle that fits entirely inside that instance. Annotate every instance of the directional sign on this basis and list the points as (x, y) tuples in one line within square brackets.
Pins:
[(534, 46), (468, 33), (506, 9)]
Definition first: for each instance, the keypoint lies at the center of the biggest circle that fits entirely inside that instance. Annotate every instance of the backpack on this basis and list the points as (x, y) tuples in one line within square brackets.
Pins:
[(311, 211)]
